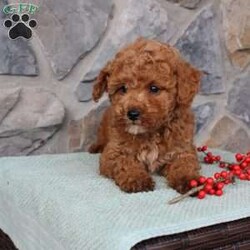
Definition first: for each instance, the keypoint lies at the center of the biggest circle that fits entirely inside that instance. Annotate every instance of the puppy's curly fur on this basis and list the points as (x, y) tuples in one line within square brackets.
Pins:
[(149, 126)]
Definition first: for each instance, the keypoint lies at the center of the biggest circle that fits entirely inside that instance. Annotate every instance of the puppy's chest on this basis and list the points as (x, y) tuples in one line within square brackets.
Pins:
[(149, 154)]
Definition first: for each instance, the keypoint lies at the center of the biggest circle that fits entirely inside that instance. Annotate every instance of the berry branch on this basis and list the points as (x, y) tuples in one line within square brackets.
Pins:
[(214, 185)]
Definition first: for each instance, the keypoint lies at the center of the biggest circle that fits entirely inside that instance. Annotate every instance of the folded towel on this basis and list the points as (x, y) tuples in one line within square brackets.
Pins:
[(56, 202)]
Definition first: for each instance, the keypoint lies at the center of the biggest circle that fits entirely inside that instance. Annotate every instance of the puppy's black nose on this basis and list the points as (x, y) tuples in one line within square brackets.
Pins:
[(133, 114)]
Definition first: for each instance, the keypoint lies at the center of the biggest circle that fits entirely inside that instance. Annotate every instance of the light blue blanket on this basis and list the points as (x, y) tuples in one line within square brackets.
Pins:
[(56, 202)]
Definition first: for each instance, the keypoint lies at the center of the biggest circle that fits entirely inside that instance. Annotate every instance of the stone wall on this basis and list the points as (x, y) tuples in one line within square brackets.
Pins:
[(46, 82)]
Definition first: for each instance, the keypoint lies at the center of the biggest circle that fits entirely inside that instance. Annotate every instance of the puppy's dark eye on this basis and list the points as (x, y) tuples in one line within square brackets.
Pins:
[(122, 90), (153, 89)]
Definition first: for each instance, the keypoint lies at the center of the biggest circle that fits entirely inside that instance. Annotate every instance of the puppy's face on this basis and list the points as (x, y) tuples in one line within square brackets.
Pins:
[(142, 92), (143, 87)]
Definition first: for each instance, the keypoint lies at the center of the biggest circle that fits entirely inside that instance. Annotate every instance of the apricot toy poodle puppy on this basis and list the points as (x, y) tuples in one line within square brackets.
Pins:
[(149, 126)]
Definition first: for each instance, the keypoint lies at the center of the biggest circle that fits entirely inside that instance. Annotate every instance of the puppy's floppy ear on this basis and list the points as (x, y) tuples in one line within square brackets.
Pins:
[(188, 82), (100, 85)]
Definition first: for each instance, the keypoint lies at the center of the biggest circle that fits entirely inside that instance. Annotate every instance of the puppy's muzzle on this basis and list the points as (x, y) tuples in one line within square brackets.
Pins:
[(133, 114)]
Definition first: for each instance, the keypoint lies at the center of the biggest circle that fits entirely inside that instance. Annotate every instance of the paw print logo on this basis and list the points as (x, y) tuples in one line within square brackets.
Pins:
[(20, 26)]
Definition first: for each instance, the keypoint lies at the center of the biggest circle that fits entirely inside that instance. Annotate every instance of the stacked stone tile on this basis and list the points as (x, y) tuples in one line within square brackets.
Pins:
[(55, 70)]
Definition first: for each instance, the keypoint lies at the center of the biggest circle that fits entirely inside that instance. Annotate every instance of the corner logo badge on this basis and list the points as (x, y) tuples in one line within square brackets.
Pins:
[(20, 23)]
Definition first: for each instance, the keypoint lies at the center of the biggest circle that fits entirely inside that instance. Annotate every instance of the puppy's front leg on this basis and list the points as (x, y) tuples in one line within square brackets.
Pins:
[(182, 169), (127, 172)]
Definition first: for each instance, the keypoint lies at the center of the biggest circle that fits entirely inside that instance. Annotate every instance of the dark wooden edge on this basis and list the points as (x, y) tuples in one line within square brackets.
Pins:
[(212, 237)]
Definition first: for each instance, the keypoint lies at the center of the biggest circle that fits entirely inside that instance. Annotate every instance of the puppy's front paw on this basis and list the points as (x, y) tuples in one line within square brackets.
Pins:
[(182, 184), (137, 181)]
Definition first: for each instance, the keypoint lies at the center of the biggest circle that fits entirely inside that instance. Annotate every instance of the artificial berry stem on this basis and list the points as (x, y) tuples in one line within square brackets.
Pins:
[(192, 191), (183, 196)]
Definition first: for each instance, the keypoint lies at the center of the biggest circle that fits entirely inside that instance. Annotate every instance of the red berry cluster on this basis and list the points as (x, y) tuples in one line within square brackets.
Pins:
[(209, 157), (214, 185)]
